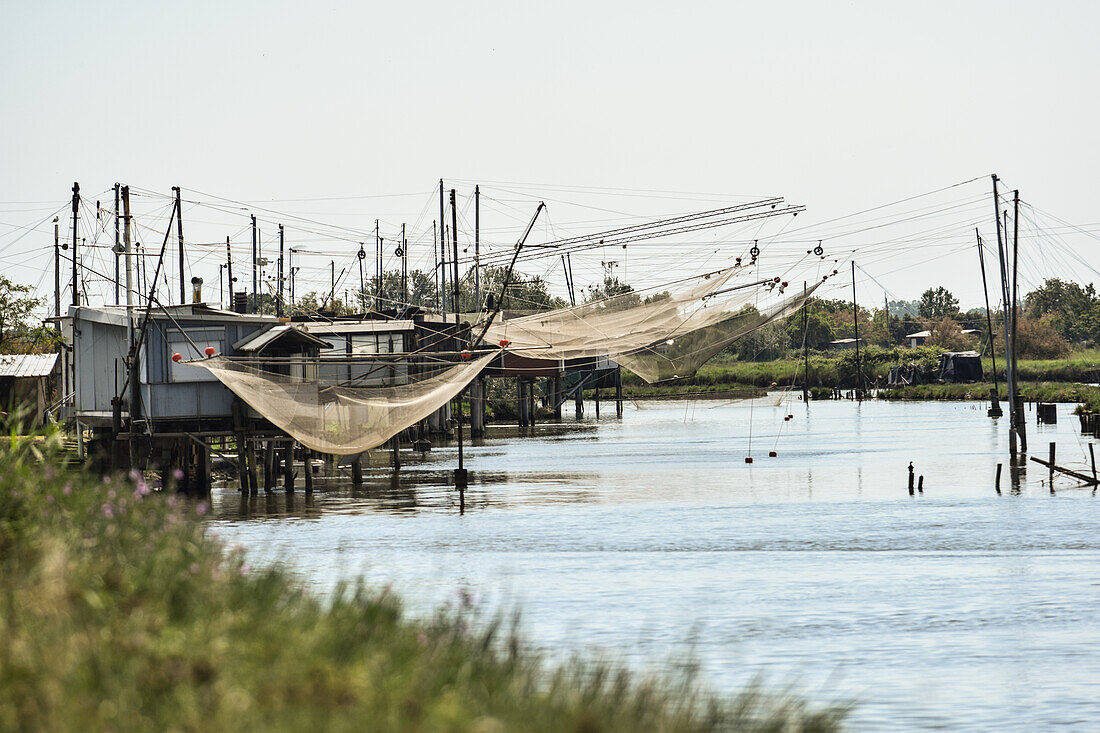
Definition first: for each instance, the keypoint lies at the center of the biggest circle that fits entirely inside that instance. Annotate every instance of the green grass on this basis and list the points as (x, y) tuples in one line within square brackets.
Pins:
[(120, 612)]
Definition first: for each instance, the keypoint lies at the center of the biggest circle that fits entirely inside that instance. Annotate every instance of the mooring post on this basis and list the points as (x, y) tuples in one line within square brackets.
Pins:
[(597, 398), (910, 478), (1092, 457), (920, 484), (395, 443), (1051, 466), (357, 470), (307, 467), (997, 482)]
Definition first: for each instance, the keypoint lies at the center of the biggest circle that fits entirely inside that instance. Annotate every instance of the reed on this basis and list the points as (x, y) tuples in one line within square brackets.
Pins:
[(121, 612)]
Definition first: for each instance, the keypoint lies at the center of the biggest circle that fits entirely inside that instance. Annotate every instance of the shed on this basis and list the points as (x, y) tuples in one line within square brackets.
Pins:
[(961, 366), (917, 339), (27, 381)]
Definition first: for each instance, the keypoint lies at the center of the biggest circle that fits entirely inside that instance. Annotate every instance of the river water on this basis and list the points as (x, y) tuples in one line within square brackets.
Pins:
[(649, 539)]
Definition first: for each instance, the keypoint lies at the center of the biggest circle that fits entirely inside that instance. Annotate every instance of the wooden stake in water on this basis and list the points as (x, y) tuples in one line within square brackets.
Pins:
[(997, 483), (1051, 466), (910, 478)]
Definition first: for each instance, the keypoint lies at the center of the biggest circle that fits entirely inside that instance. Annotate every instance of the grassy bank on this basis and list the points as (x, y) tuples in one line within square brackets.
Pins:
[(121, 613), (1047, 380)]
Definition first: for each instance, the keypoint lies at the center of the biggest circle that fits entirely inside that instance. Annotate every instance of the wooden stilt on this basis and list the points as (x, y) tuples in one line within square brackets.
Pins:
[(288, 467), (307, 466), (357, 471), (253, 479), (395, 444), (269, 466), (618, 392)]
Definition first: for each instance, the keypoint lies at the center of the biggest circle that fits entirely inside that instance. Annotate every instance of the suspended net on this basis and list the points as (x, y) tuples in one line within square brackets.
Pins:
[(661, 334), (348, 416)]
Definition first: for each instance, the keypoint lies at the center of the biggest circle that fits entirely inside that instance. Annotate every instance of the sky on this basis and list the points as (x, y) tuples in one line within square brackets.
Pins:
[(343, 113)]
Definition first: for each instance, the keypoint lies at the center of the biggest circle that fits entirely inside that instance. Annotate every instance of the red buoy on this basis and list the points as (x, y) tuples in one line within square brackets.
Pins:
[(465, 354), (504, 342), (772, 454), (177, 356), (748, 459), (209, 350)]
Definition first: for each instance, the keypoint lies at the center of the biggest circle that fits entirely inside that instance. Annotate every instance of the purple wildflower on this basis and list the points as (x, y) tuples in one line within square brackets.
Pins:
[(201, 508), (108, 512), (67, 489), (177, 474), (49, 473)]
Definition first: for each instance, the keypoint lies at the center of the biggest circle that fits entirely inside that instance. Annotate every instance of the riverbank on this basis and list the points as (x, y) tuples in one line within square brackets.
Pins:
[(122, 613), (1041, 380)]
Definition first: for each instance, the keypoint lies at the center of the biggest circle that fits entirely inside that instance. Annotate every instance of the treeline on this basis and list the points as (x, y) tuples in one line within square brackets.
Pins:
[(1054, 319)]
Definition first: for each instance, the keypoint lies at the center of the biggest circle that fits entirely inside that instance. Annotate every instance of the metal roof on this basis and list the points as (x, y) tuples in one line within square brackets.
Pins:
[(918, 335), (27, 365), (258, 342)]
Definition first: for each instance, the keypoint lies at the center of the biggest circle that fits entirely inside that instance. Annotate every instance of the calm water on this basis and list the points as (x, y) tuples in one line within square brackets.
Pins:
[(649, 538)]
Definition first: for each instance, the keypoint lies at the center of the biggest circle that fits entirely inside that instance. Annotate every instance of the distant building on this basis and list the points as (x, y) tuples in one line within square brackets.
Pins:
[(844, 344), (917, 339)]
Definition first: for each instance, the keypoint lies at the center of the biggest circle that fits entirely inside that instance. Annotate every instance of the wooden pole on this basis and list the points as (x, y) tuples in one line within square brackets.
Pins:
[(307, 467), (855, 321), (76, 211), (117, 249), (442, 252), (179, 236), (1017, 400), (1050, 466), (279, 271), (404, 269), (229, 270), (269, 466), (454, 244), (997, 482), (477, 248), (255, 259), (357, 470), (1009, 336), (288, 467), (806, 344), (995, 408), (1092, 459), (57, 270)]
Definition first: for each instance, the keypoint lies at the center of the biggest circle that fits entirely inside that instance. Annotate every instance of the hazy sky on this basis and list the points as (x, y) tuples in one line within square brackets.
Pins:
[(838, 106)]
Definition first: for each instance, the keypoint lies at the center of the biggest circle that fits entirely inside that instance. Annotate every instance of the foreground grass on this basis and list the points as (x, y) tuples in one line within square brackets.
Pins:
[(120, 613)]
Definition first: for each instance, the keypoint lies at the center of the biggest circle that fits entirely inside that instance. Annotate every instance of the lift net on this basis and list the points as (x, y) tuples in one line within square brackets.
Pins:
[(341, 418), (657, 335)]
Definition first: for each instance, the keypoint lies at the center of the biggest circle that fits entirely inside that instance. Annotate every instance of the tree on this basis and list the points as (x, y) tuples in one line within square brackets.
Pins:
[(1037, 338), (1074, 310), (938, 303), (947, 334), (18, 331)]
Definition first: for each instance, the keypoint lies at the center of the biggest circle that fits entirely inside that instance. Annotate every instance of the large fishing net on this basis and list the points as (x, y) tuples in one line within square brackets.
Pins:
[(661, 333), (346, 417)]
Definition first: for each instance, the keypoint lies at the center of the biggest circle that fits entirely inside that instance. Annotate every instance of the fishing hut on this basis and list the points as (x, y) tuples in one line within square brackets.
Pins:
[(29, 382)]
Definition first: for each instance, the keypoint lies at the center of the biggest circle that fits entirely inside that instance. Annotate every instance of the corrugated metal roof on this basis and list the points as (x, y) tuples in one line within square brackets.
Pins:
[(27, 365)]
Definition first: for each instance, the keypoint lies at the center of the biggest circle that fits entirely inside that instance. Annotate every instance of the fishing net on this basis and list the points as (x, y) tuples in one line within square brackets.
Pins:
[(658, 335), (346, 417)]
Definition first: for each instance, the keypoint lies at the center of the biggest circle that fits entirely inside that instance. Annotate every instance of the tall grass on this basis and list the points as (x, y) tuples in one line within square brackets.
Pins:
[(119, 612)]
